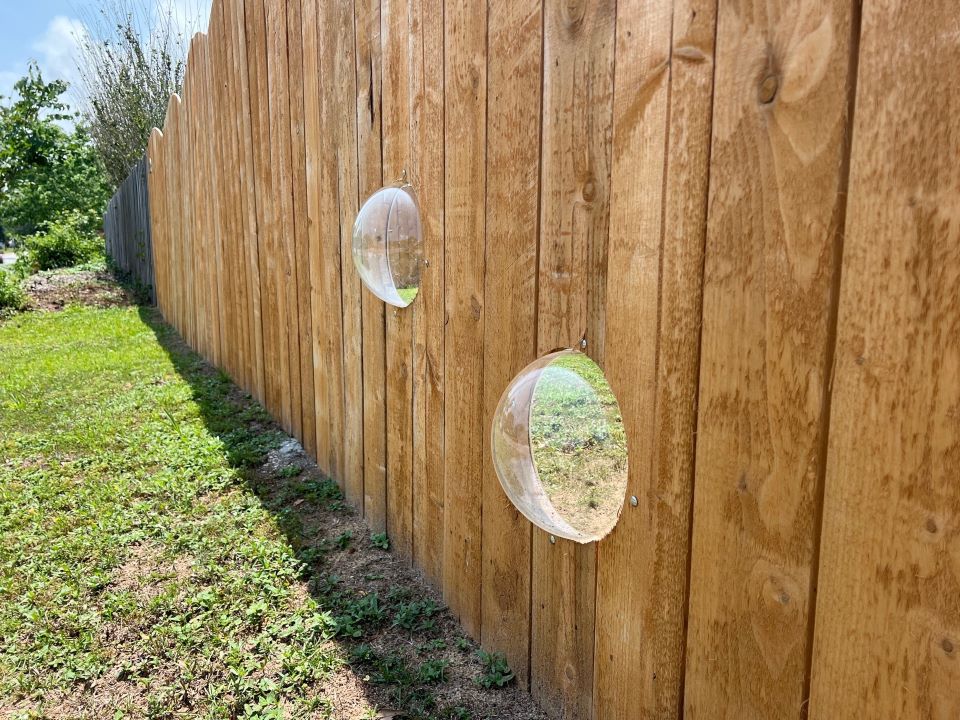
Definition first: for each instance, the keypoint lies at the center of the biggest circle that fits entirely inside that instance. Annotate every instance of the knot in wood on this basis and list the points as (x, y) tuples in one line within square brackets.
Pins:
[(768, 89), (572, 13)]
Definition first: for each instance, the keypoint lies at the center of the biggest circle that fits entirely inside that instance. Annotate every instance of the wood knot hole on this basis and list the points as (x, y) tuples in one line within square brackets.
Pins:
[(947, 646), (768, 89), (931, 525), (588, 190)]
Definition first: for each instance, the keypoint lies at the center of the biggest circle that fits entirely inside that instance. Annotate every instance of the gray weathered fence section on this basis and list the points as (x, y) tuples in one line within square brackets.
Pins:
[(126, 225)]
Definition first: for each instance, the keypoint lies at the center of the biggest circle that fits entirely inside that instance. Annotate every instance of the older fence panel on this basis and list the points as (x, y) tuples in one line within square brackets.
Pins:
[(127, 228), (563, 157)]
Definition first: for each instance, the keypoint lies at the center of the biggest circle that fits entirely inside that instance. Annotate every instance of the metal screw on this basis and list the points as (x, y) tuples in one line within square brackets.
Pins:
[(583, 342), (633, 500), (426, 262), (553, 540)]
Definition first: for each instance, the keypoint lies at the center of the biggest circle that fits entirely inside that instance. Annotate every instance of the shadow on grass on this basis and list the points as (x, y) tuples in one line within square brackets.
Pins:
[(391, 627)]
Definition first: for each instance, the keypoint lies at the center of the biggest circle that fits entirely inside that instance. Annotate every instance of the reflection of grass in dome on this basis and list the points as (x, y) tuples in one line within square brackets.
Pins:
[(578, 443), (407, 294)]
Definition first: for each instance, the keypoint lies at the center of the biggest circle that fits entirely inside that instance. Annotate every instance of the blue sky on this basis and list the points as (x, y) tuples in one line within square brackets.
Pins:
[(35, 30), (46, 31)]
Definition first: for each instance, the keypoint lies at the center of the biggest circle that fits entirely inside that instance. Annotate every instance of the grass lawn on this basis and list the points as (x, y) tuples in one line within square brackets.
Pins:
[(156, 562), (578, 443)]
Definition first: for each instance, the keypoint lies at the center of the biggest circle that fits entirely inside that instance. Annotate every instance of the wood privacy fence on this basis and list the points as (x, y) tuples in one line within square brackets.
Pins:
[(126, 225), (750, 211)]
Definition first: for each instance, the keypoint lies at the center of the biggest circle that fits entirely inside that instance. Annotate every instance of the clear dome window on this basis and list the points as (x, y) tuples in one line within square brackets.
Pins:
[(388, 245), (559, 447)]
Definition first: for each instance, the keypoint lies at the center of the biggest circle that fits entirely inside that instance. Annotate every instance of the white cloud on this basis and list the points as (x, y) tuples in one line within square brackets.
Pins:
[(54, 52), (57, 48)]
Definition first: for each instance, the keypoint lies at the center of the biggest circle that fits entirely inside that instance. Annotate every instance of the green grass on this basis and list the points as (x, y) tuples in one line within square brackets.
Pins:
[(578, 442), (150, 559), (407, 294), (107, 452)]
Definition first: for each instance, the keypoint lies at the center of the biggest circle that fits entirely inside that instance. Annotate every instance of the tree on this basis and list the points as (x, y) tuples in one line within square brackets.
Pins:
[(46, 173), (132, 59)]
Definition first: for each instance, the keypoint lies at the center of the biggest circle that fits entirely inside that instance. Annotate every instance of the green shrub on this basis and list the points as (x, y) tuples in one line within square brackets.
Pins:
[(63, 244), (12, 296)]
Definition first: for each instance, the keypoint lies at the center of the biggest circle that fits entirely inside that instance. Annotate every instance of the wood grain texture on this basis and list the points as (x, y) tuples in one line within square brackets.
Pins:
[(228, 292), (465, 99), (367, 26), (230, 237), (514, 74), (324, 247), (301, 253), (779, 139), (238, 211), (887, 640), (661, 139), (426, 170), (248, 188), (398, 62), (257, 80), (188, 302), (218, 340), (578, 74), (282, 197), (205, 217), (338, 42)]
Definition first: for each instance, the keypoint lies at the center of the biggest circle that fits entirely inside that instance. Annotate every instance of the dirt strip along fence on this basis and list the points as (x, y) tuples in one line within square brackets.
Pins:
[(751, 213), (127, 228)]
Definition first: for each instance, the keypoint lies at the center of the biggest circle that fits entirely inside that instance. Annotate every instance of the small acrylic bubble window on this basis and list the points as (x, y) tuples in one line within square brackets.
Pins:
[(388, 245), (559, 447)]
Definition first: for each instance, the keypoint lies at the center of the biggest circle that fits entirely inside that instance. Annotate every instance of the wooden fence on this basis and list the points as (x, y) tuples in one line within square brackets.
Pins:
[(749, 210), (126, 225)]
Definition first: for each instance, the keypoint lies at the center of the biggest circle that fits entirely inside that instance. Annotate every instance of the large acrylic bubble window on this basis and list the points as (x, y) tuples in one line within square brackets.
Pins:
[(559, 447), (388, 245)]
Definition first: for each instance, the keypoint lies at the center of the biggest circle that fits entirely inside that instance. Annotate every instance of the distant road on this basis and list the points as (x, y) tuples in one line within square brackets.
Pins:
[(8, 258)]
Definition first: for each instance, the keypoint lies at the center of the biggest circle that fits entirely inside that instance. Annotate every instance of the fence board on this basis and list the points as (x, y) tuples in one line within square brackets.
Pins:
[(464, 182), (370, 177), (250, 222), (320, 212), (514, 75), (661, 130), (398, 63), (427, 175), (258, 89), (577, 105), (301, 254), (779, 126), (888, 611), (339, 43)]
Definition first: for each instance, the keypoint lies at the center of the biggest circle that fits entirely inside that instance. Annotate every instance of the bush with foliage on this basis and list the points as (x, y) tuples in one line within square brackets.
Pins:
[(12, 296), (132, 59), (64, 243)]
